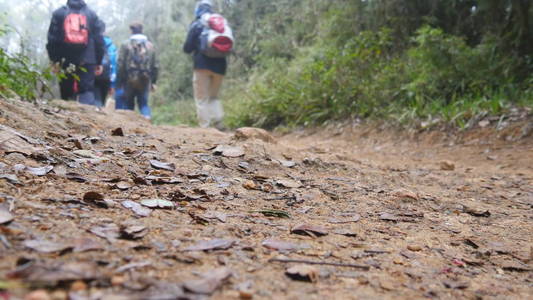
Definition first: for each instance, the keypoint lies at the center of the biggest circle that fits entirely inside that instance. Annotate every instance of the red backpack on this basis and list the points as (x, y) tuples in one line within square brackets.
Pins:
[(216, 39), (76, 29)]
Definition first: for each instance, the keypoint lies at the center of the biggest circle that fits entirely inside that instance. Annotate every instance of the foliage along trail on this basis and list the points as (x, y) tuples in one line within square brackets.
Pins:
[(95, 205)]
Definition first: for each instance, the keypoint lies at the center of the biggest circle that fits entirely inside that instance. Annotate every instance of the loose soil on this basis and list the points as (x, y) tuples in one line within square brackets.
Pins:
[(381, 214)]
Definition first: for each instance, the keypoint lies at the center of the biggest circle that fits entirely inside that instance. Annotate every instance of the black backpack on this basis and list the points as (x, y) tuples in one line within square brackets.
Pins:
[(138, 63)]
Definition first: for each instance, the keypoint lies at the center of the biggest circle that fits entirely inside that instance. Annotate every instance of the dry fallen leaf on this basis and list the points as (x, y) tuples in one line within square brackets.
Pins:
[(209, 282), (310, 230), (163, 166), (133, 232), (447, 165), (40, 171), (228, 151), (137, 208), (288, 183), (405, 194), (5, 215), (216, 244), (46, 246), (158, 203), (278, 245), (303, 273)]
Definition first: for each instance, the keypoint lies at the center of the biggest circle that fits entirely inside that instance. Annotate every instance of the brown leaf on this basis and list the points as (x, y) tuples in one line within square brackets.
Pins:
[(44, 246), (228, 151), (133, 232), (405, 194), (11, 178), (5, 215), (137, 208), (40, 171), (389, 217), (131, 266), (76, 177), (345, 232), (164, 180), (53, 272), (209, 283), (86, 244), (158, 203), (117, 132), (95, 198), (353, 219), (162, 166), (453, 284), (288, 183), (110, 231), (249, 185), (216, 244), (13, 142), (278, 245), (123, 185), (303, 273), (222, 217), (447, 165), (481, 213), (287, 163), (310, 230)]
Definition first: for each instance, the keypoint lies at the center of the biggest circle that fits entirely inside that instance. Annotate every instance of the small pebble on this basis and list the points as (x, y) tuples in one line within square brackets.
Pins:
[(414, 248)]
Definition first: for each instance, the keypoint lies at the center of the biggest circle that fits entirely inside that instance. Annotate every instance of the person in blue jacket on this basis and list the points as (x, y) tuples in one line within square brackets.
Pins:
[(208, 73), (104, 84)]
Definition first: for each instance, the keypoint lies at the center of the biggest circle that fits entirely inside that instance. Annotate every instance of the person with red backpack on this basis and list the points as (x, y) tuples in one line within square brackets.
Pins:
[(76, 45), (210, 41)]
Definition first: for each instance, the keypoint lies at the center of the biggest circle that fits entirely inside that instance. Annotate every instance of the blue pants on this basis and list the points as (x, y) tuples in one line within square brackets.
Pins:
[(127, 100)]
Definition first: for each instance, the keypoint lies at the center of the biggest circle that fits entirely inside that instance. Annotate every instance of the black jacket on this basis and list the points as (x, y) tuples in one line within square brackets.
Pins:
[(58, 50), (202, 62)]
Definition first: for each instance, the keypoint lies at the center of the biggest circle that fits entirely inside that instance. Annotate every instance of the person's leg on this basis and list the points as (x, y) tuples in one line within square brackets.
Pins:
[(217, 111), (201, 97), (98, 95), (86, 86), (142, 100), (102, 90), (66, 87), (128, 98)]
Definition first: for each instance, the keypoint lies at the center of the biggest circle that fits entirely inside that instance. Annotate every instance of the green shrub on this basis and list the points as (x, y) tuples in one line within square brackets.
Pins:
[(19, 76), (438, 78)]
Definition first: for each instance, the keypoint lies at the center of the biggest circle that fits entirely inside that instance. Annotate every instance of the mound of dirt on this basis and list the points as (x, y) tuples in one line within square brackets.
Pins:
[(104, 205)]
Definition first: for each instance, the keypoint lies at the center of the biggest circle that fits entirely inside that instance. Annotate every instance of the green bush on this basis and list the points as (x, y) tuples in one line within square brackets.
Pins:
[(19, 76), (438, 78)]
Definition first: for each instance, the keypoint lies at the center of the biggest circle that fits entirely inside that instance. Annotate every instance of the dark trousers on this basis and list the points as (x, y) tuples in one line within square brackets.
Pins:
[(101, 90), (82, 89)]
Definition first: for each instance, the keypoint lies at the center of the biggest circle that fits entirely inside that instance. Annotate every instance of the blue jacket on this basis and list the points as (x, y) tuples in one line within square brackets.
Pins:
[(192, 46), (112, 53)]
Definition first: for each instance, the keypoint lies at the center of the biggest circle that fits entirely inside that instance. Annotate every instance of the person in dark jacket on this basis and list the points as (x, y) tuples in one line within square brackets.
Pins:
[(208, 73), (138, 69), (80, 63)]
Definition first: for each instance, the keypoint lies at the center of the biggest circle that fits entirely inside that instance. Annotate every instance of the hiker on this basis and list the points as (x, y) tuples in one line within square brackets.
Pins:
[(210, 41), (76, 46), (104, 84), (137, 71)]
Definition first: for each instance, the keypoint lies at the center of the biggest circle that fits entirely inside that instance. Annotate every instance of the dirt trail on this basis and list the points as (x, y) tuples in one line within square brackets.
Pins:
[(395, 215)]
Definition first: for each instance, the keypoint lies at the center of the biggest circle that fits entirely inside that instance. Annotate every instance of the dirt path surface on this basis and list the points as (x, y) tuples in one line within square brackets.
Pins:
[(97, 205)]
